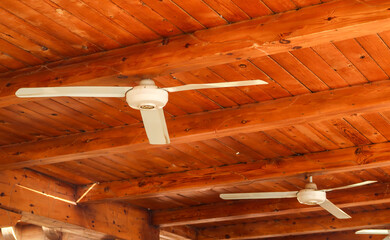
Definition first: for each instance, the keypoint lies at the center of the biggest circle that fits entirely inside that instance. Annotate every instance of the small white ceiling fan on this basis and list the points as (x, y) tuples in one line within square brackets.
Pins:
[(310, 195), (375, 232), (146, 97)]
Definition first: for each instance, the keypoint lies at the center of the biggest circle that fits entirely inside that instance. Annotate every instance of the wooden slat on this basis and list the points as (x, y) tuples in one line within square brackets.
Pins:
[(361, 59), (96, 40), (218, 45), (341, 160), (228, 10), (201, 12), (256, 117), (254, 8)]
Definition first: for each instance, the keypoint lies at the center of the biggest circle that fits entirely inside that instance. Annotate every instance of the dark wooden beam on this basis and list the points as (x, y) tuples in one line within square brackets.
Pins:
[(249, 118), (331, 21), (237, 210), (111, 219), (299, 226), (341, 160)]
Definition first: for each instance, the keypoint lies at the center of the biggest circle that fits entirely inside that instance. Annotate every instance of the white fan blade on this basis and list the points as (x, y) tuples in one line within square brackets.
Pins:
[(334, 210), (215, 85), (155, 126), (350, 186), (72, 92), (259, 195), (374, 231)]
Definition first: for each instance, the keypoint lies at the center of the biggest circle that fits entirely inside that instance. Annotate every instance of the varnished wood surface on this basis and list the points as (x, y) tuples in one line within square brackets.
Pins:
[(342, 49)]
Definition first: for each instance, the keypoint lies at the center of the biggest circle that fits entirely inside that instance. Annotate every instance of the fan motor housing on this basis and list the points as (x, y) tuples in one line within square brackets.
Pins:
[(311, 196), (147, 97)]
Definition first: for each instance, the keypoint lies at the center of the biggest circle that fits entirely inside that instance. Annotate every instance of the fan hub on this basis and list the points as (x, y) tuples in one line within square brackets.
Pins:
[(311, 196), (147, 96)]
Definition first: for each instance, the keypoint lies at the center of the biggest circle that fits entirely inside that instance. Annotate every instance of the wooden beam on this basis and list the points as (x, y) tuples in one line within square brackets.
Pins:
[(111, 219), (237, 210), (300, 226), (341, 160), (8, 219), (178, 233), (249, 118), (343, 235), (331, 21)]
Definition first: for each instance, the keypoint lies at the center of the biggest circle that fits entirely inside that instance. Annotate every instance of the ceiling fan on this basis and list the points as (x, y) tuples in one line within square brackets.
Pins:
[(310, 195), (146, 97), (375, 232)]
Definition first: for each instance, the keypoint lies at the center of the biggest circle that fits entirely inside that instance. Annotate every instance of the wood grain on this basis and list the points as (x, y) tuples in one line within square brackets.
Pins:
[(262, 36)]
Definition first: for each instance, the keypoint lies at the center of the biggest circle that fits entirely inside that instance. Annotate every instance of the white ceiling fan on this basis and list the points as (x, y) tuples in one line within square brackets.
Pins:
[(375, 232), (310, 195), (146, 97)]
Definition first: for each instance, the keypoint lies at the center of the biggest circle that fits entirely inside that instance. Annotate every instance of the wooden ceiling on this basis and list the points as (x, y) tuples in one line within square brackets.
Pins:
[(325, 113)]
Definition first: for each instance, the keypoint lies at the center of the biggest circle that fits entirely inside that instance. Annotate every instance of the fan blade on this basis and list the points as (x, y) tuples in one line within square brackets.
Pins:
[(72, 92), (259, 195), (155, 126), (350, 186), (387, 238), (334, 210), (374, 231), (215, 85)]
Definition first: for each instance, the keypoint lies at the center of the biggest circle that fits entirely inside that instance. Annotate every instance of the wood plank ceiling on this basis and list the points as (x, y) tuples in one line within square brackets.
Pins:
[(42, 35)]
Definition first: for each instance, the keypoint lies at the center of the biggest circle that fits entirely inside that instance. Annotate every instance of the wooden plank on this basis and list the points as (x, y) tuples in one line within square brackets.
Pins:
[(340, 63), (250, 209), (299, 226), (361, 59), (255, 38), (341, 160), (113, 219), (254, 117)]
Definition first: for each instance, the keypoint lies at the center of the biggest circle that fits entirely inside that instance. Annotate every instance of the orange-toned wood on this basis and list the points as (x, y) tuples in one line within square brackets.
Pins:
[(119, 220), (342, 160), (247, 209), (201, 12), (338, 235), (255, 38), (280, 5), (299, 226), (335, 59), (254, 117), (253, 8), (228, 10), (361, 59), (8, 218), (178, 233)]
